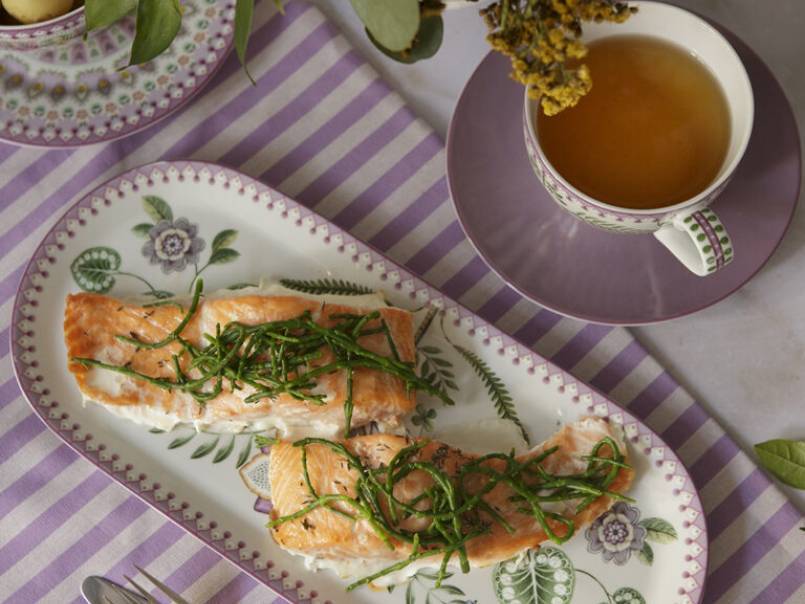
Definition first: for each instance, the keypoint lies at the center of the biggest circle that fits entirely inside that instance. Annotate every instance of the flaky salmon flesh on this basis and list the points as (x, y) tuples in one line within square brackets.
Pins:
[(324, 535), (92, 323)]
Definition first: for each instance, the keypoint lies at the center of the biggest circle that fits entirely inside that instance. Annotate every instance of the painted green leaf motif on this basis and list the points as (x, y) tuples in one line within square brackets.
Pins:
[(646, 555), (159, 294), (785, 459), (224, 239), (157, 208), (156, 431), (241, 285), (659, 530), (243, 27), (222, 454), (205, 449), (142, 229), (495, 388), (245, 452), (426, 42), (158, 22), (627, 595), (326, 286), (94, 269), (224, 256), (393, 23), (181, 441), (543, 576), (102, 13)]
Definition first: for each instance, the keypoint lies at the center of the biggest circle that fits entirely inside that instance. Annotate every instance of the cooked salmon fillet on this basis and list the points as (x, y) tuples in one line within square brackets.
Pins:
[(92, 322), (324, 535)]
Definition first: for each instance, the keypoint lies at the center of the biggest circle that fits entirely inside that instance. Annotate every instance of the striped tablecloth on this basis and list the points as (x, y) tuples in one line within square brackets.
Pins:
[(322, 127)]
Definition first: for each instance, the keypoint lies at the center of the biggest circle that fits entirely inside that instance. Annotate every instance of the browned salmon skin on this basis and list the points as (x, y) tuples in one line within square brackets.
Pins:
[(327, 535), (92, 323)]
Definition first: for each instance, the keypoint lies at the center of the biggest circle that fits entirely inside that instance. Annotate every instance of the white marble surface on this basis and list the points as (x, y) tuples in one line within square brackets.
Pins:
[(744, 358)]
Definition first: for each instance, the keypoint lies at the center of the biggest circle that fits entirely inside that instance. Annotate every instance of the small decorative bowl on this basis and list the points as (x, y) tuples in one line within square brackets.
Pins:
[(46, 33)]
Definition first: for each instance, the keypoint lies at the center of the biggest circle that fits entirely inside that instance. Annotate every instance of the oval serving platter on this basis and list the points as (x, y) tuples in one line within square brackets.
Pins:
[(653, 551)]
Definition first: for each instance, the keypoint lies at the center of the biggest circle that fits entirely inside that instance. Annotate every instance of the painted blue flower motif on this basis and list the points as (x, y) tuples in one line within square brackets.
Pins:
[(616, 534), (173, 244)]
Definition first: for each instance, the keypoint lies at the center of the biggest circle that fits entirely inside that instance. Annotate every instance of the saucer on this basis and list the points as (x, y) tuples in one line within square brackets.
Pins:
[(77, 92), (581, 271)]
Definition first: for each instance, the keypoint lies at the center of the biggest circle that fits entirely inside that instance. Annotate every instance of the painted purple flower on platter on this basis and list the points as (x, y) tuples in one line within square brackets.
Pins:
[(617, 534), (173, 245)]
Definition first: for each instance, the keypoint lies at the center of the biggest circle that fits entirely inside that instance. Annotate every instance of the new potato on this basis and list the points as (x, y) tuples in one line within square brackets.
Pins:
[(34, 11)]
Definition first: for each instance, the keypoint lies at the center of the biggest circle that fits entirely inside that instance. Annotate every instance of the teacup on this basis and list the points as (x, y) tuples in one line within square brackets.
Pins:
[(690, 230), (38, 35)]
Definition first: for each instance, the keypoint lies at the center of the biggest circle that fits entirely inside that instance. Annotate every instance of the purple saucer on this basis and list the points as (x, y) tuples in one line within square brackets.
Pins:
[(578, 270)]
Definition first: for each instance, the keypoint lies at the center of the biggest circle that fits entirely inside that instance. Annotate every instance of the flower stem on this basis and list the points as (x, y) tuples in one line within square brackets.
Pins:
[(147, 284), (601, 585)]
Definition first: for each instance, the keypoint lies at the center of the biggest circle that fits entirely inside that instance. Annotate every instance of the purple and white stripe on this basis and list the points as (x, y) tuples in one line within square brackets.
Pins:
[(323, 128)]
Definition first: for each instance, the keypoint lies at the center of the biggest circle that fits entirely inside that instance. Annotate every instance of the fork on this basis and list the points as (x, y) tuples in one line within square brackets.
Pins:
[(174, 597)]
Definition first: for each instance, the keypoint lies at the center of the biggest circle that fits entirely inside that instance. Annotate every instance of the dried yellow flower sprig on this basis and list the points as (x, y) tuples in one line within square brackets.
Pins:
[(541, 37)]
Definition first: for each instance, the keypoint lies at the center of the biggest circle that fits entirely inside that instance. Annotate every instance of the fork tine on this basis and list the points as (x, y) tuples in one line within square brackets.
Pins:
[(175, 598), (142, 590)]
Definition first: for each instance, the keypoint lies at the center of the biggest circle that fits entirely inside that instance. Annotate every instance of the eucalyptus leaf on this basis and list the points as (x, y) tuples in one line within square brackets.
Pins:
[(543, 576), (157, 208), (102, 13), (224, 256), (244, 9), (223, 239), (158, 22), (392, 23), (426, 43), (142, 229), (785, 459), (659, 530), (94, 269)]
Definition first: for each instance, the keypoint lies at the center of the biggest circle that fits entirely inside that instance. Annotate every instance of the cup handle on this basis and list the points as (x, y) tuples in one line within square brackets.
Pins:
[(698, 240)]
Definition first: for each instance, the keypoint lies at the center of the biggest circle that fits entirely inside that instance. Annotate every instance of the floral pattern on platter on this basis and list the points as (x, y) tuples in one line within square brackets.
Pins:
[(173, 244), (82, 92), (548, 576), (619, 533), (53, 32)]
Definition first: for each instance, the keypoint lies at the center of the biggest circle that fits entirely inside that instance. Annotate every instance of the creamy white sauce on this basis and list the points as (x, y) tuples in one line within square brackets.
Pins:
[(355, 568), (481, 437)]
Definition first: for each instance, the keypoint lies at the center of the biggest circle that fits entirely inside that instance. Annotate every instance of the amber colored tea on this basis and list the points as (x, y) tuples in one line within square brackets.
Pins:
[(652, 132)]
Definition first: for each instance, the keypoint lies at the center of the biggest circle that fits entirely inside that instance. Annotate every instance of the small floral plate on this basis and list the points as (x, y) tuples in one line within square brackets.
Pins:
[(78, 93), (152, 231)]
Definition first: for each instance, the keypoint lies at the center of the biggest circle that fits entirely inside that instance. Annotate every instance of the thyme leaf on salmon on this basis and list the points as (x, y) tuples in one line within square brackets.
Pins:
[(452, 508), (283, 357)]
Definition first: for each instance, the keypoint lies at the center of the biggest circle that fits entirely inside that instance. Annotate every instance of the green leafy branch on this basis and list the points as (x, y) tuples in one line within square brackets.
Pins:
[(320, 287), (436, 369)]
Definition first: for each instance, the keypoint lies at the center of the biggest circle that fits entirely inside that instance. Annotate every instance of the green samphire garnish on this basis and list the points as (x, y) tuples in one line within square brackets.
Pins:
[(455, 515), (275, 358)]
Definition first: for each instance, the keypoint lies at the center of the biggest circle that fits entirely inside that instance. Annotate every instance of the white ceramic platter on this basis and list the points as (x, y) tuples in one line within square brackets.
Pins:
[(654, 551)]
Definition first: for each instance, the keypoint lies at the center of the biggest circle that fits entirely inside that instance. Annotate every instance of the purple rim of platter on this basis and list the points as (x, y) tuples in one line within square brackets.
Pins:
[(309, 224), (584, 272), (23, 37), (209, 56)]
